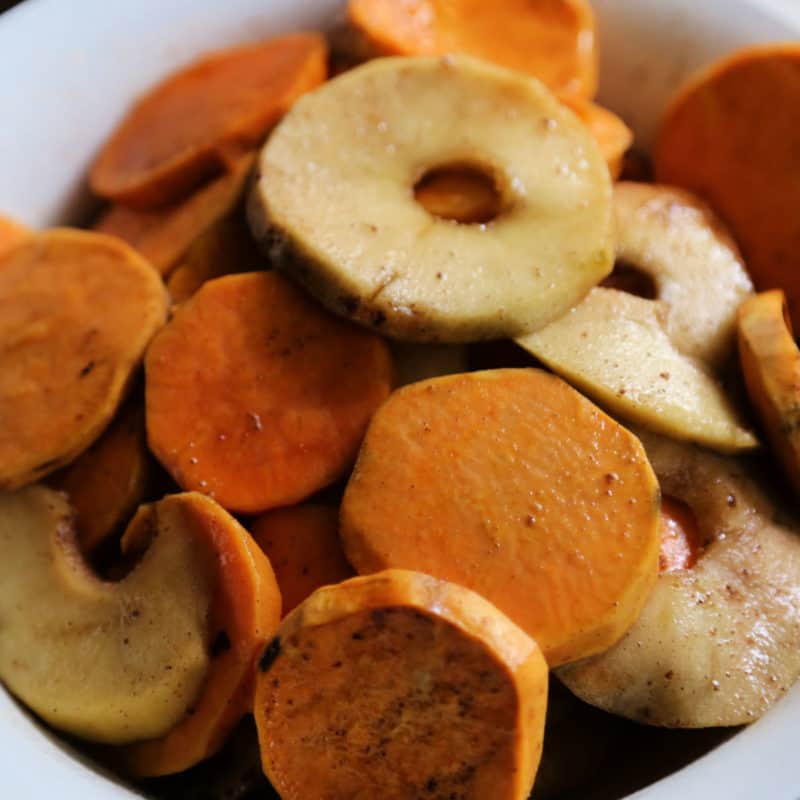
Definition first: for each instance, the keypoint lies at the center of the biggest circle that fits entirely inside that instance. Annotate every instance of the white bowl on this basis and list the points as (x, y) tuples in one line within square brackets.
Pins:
[(68, 70)]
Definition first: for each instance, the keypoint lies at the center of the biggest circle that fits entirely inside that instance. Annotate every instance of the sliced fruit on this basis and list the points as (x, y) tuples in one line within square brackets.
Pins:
[(163, 236), (730, 135), (472, 478), (348, 228), (302, 544), (399, 685), (245, 610), (199, 120), (113, 662), (225, 247), (554, 41), (771, 367), (77, 310), (654, 361), (716, 644), (11, 233), (107, 482), (257, 396)]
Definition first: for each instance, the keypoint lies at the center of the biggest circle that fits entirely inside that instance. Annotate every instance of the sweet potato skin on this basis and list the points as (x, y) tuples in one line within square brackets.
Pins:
[(77, 310), (425, 688)]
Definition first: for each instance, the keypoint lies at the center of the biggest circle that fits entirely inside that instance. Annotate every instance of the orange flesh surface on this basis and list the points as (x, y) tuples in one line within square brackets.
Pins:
[(11, 233), (771, 366), (302, 544), (108, 481), (400, 686), (731, 136), (511, 483), (245, 611), (164, 235), (76, 312), (680, 537), (192, 125), (553, 40), (258, 397)]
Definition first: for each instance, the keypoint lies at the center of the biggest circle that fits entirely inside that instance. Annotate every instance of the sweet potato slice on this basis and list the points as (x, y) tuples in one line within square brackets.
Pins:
[(680, 536), (553, 40), (11, 233), (258, 397), (164, 235), (771, 366), (191, 125), (302, 544), (225, 247), (399, 685), (107, 482), (76, 312), (510, 483), (731, 136), (244, 612)]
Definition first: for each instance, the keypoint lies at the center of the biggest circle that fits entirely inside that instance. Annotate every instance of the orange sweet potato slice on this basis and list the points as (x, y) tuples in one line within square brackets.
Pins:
[(511, 483), (302, 544), (771, 366), (77, 310), (553, 40), (11, 233), (194, 123), (164, 235), (107, 482), (681, 544), (257, 396), (398, 685), (245, 611), (225, 247), (731, 136)]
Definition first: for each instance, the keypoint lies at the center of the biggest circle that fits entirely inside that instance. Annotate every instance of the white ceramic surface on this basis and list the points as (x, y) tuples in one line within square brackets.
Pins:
[(69, 68)]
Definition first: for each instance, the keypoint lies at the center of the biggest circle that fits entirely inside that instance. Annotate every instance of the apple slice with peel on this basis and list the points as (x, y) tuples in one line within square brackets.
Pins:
[(654, 361), (771, 365), (719, 642), (124, 661)]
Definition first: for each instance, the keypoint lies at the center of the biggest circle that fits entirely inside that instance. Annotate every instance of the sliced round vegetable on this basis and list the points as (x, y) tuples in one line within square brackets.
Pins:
[(164, 235), (302, 544), (655, 360), (553, 40), (771, 366), (108, 481), (11, 233), (245, 610), (399, 685), (338, 212), (258, 397), (510, 483), (718, 643), (198, 121), (730, 135), (77, 310)]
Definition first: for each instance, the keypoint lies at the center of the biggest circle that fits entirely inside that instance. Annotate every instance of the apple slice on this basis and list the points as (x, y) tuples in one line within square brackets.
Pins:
[(771, 365), (655, 361), (718, 643)]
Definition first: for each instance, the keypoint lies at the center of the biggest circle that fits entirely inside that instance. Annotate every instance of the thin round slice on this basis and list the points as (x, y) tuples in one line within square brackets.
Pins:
[(196, 122), (257, 396), (244, 612), (338, 213), (656, 360), (510, 483), (302, 544), (399, 685), (11, 233), (731, 135), (164, 235), (107, 482), (77, 310), (718, 643), (553, 40), (771, 366)]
